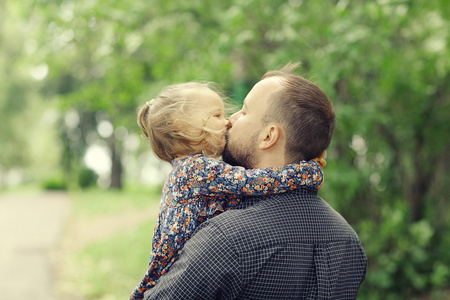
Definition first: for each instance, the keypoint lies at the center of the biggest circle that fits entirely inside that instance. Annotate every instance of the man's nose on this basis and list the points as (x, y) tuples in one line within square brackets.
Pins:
[(233, 118)]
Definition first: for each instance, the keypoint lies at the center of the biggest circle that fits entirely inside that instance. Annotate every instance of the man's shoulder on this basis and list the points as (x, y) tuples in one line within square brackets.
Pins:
[(299, 216)]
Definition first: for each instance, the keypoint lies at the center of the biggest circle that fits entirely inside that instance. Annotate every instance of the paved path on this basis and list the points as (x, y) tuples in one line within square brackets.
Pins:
[(30, 229)]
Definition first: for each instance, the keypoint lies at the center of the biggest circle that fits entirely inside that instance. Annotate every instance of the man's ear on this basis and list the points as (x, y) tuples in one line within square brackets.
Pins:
[(270, 136)]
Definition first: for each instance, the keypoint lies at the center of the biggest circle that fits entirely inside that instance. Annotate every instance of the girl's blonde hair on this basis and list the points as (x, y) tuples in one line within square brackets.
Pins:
[(165, 123)]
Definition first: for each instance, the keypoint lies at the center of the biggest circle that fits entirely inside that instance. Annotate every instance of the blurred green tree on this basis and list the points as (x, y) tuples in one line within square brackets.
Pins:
[(11, 92), (21, 108)]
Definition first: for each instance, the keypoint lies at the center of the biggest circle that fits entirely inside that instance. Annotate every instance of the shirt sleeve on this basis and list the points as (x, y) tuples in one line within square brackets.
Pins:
[(212, 177), (207, 269)]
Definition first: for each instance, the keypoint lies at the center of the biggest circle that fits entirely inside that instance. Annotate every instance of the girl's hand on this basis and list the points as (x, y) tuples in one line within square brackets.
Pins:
[(322, 162)]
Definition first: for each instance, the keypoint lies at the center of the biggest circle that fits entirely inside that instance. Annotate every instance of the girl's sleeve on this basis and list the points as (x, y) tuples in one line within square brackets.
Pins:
[(174, 227), (213, 177)]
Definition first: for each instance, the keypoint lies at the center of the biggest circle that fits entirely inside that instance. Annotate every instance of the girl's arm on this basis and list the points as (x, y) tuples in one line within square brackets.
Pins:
[(211, 177)]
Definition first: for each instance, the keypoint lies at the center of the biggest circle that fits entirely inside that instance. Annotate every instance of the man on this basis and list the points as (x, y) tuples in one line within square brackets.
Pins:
[(286, 246)]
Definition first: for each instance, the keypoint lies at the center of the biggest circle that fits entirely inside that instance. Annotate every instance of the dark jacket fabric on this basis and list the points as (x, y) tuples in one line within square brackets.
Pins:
[(286, 246)]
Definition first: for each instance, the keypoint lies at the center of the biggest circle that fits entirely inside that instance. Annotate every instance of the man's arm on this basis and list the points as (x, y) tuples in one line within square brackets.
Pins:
[(207, 268)]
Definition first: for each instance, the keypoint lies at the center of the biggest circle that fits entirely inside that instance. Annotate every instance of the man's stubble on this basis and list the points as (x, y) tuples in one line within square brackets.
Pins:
[(242, 154)]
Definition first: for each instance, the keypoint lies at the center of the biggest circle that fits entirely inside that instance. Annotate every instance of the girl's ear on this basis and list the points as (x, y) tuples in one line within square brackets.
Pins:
[(177, 124), (270, 136)]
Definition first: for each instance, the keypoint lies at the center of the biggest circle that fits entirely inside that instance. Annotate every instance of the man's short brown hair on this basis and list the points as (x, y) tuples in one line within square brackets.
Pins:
[(305, 113)]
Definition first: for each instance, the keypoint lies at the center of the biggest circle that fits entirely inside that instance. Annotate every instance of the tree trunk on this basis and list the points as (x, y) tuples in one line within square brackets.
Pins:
[(419, 183), (116, 166)]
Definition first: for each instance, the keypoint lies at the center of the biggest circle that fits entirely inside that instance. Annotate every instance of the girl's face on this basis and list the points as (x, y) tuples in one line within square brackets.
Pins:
[(210, 113)]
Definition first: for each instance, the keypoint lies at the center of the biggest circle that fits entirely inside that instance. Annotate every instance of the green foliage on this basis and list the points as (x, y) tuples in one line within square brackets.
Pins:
[(403, 258), (87, 178), (54, 184), (13, 97)]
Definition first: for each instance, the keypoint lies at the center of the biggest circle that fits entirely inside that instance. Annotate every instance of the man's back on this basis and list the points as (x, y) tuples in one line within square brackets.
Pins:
[(287, 246)]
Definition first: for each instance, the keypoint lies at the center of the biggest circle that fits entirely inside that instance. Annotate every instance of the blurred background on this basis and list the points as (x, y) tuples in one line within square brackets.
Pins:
[(73, 73)]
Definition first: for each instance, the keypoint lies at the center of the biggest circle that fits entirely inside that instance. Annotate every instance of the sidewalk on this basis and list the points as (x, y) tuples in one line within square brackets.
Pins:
[(30, 229)]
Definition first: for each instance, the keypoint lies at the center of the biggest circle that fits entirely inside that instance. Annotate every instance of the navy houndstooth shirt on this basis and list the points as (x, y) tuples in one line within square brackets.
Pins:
[(287, 246)]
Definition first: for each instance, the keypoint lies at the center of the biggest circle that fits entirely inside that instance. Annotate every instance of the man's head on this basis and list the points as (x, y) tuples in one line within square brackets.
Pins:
[(285, 119)]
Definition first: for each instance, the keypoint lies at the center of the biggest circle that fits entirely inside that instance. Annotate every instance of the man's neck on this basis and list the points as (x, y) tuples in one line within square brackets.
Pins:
[(270, 161)]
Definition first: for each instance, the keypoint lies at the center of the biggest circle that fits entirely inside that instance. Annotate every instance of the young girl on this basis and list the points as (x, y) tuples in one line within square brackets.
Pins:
[(186, 126)]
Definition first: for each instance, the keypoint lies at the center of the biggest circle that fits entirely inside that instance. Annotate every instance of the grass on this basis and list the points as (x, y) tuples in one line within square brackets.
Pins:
[(28, 189), (95, 202), (110, 268)]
